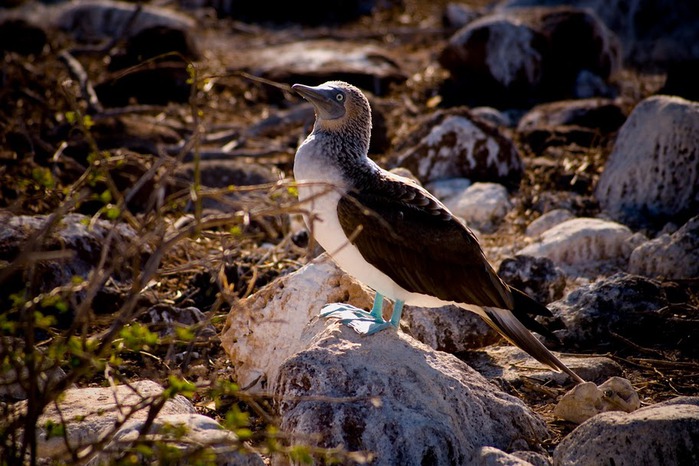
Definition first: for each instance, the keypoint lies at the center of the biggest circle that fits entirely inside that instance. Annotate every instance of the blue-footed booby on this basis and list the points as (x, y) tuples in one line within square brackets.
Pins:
[(393, 235)]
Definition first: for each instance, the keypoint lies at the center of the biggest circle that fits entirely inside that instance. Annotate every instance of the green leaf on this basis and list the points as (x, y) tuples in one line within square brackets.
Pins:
[(184, 333), (54, 429), (301, 454), (112, 212), (106, 196), (43, 176), (179, 386)]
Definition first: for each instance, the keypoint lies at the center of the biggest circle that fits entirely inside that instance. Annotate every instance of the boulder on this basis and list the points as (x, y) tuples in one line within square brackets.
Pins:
[(270, 326), (68, 249), (674, 256), (491, 456), (622, 304), (521, 56), (582, 241), (313, 62), (548, 220), (512, 365), (586, 400), (482, 205), (449, 328), (90, 414), (664, 433), (454, 144), (398, 400), (585, 122), (537, 276), (652, 174), (195, 439), (15, 377), (650, 31), (94, 20)]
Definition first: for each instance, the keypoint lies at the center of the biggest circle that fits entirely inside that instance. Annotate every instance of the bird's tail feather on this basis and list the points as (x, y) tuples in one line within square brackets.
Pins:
[(511, 328), (525, 307)]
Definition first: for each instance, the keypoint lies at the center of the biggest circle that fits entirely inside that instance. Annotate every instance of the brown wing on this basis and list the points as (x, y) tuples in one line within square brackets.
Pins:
[(414, 240)]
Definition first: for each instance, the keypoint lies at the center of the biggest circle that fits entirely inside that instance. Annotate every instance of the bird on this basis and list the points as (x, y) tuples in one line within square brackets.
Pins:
[(393, 235)]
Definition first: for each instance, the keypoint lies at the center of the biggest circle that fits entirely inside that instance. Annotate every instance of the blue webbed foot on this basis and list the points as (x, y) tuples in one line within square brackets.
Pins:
[(361, 321)]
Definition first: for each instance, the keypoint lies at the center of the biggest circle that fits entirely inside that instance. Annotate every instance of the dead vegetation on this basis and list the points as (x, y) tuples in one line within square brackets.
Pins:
[(62, 153)]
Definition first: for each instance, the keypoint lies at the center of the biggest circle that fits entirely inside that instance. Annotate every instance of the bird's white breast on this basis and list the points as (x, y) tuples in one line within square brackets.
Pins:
[(321, 185)]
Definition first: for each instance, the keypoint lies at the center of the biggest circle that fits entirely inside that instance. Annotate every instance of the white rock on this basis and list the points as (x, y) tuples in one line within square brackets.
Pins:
[(265, 329), (92, 413), (491, 456), (548, 220), (652, 174), (512, 364), (13, 384), (193, 432), (507, 53), (398, 399), (492, 115), (97, 19), (672, 257), (448, 328), (482, 205), (453, 143), (582, 241), (665, 433), (587, 400), (448, 188)]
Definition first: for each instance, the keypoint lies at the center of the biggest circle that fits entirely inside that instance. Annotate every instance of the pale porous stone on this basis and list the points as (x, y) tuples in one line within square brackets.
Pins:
[(511, 364), (493, 116), (651, 32), (265, 329), (623, 304), (514, 56), (91, 20), (665, 433), (491, 456), (448, 328), (673, 257), (482, 205), (652, 174), (398, 399), (448, 188), (13, 383), (79, 237), (536, 276), (458, 15), (454, 144), (586, 400), (92, 413), (369, 66), (585, 122), (197, 432), (548, 220), (581, 241)]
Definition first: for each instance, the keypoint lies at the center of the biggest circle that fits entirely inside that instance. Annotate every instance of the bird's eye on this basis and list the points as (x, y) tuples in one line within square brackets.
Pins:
[(339, 97)]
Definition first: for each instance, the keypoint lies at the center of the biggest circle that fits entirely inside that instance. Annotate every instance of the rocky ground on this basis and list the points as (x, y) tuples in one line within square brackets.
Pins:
[(154, 271)]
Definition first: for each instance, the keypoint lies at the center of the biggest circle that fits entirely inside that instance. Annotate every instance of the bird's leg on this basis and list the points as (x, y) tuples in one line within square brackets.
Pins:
[(377, 308), (397, 313)]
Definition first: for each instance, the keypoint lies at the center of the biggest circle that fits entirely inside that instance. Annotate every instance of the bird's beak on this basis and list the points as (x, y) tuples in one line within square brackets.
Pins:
[(323, 99)]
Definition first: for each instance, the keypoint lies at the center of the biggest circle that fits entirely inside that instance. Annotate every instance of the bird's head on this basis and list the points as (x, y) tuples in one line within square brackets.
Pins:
[(339, 107)]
